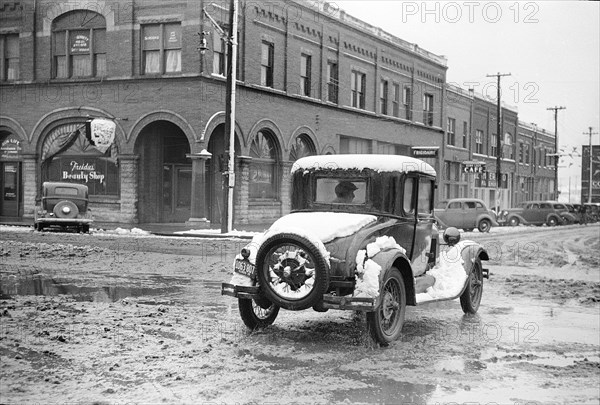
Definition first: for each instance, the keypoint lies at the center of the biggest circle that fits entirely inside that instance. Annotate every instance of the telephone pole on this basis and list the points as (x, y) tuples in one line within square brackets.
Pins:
[(556, 148), (498, 138), (590, 175)]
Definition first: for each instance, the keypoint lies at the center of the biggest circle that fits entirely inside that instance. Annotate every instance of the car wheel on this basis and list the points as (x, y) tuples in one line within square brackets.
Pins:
[(292, 272), (513, 221), (552, 221), (256, 316), (385, 324), (484, 225), (471, 296)]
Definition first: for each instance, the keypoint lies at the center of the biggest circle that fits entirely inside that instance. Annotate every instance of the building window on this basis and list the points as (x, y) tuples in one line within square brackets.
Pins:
[(355, 145), (266, 64), (357, 88), (79, 45), (219, 55), (508, 146), (303, 146), (451, 131), (479, 141), (386, 148), (9, 49), (264, 174), (332, 82), (396, 101), (407, 101), (521, 153), (494, 145), (428, 109), (527, 152), (383, 97), (161, 48), (465, 135), (305, 73)]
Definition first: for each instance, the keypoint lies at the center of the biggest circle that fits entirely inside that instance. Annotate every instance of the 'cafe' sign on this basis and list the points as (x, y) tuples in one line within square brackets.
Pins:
[(473, 167)]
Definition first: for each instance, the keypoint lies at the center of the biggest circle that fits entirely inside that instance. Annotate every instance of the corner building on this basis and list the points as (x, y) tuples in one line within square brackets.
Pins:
[(311, 80)]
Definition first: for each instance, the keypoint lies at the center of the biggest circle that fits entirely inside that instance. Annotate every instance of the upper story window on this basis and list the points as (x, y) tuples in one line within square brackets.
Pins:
[(333, 82), (219, 55), (428, 109), (465, 134), (527, 152), (479, 141), (79, 45), (451, 131), (357, 89), (161, 48), (355, 145), (494, 145), (396, 101), (383, 97), (266, 64), (521, 152), (9, 50), (305, 73), (407, 101)]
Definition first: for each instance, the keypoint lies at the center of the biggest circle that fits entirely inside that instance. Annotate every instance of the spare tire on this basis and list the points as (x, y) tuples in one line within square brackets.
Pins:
[(292, 271), (66, 209)]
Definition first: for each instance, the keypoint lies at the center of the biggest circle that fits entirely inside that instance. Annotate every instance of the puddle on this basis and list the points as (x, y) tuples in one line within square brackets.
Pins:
[(78, 290)]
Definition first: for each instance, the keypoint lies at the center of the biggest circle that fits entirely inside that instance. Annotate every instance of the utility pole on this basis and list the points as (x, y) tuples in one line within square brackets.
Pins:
[(227, 215), (498, 135), (556, 148), (590, 175)]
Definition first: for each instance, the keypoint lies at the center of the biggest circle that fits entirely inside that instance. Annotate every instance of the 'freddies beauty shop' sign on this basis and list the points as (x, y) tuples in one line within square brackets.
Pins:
[(83, 172)]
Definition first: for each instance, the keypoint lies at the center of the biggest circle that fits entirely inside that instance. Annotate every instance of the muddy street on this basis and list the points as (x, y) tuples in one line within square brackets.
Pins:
[(106, 319)]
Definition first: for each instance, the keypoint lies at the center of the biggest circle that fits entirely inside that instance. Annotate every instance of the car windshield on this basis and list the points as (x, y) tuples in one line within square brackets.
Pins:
[(341, 191)]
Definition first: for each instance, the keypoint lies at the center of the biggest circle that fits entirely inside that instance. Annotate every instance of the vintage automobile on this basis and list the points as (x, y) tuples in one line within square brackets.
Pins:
[(532, 213), (63, 205), (568, 213), (467, 214), (361, 236)]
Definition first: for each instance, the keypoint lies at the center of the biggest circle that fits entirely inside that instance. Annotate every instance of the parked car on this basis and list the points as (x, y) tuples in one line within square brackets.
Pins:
[(361, 236), (592, 211), (467, 214), (63, 205), (532, 213), (570, 215)]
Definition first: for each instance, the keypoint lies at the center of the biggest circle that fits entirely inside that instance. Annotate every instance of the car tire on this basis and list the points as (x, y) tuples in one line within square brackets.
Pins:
[(292, 272), (254, 315), (385, 323), (471, 296), (513, 221), (484, 225), (552, 221)]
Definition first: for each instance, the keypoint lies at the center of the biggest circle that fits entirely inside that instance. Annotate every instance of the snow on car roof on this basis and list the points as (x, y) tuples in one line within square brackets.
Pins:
[(379, 163)]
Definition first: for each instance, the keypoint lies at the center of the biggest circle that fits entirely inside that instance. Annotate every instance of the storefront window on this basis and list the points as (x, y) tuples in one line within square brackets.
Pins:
[(264, 169)]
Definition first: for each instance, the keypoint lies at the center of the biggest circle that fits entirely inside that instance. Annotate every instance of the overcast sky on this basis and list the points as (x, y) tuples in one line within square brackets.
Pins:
[(551, 49)]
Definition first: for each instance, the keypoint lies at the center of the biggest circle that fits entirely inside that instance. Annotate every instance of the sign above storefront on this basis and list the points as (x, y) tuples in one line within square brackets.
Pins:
[(10, 148), (102, 133), (424, 151), (470, 166)]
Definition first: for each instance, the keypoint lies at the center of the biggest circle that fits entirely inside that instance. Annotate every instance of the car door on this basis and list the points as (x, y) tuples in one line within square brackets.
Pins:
[(532, 213), (454, 214), (422, 245)]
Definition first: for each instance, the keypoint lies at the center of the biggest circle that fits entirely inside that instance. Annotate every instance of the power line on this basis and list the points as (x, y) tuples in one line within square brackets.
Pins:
[(498, 133)]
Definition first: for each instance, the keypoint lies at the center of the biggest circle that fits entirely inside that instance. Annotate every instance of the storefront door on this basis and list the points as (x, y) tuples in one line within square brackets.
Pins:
[(177, 192), (10, 187)]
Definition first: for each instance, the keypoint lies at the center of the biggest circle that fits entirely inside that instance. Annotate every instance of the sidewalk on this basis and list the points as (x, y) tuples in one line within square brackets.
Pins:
[(164, 229)]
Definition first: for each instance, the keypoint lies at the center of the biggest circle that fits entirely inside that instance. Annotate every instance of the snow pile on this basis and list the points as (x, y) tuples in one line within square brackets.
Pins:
[(216, 232), (379, 163), (449, 274), (367, 270), (326, 226), (132, 231)]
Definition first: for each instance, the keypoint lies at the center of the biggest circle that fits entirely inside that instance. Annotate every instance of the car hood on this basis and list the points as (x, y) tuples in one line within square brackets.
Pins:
[(326, 226)]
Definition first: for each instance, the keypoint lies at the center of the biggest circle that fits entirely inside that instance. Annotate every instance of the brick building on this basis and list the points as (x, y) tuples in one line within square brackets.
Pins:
[(311, 80)]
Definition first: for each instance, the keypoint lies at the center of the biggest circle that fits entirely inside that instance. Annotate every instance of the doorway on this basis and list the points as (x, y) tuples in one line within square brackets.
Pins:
[(10, 186)]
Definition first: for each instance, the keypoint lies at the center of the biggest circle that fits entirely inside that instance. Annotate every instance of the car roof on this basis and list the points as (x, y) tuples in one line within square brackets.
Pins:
[(466, 199), (378, 163)]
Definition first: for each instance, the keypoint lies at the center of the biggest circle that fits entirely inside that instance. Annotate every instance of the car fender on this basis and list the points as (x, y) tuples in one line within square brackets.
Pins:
[(471, 250), (521, 219), (559, 219), (488, 217), (396, 258)]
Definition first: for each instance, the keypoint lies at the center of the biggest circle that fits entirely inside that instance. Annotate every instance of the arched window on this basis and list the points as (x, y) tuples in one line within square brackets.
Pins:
[(264, 169), (303, 146), (79, 45)]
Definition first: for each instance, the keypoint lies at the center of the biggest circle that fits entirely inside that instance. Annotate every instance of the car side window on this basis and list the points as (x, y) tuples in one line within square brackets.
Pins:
[(534, 207), (409, 195), (479, 205), (545, 206), (470, 205), (454, 205), (425, 196)]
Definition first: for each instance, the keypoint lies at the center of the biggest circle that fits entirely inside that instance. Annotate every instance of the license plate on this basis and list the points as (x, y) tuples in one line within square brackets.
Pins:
[(245, 268)]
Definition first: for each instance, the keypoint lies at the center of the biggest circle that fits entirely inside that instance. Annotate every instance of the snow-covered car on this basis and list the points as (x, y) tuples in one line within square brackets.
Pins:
[(467, 214), (532, 213), (361, 236), (63, 205)]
